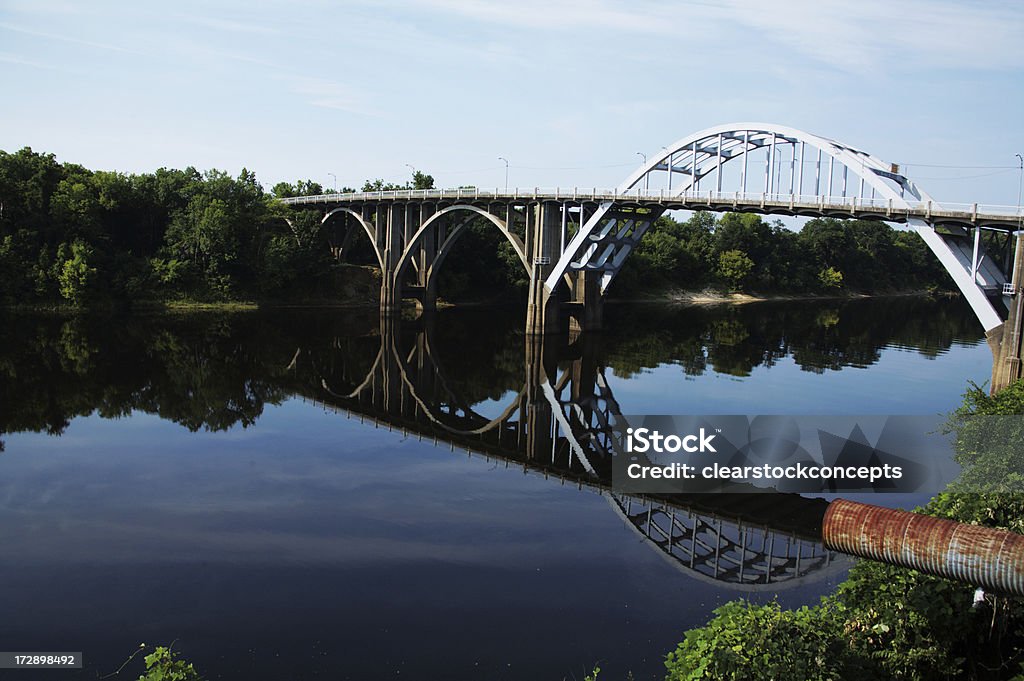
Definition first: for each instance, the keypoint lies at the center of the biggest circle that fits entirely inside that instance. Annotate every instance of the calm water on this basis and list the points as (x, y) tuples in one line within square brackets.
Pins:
[(292, 495)]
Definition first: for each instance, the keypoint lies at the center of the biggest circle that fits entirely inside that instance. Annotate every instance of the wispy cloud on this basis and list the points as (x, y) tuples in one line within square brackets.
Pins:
[(329, 94), (63, 38), (8, 58), (850, 35), (885, 36), (564, 15), (229, 25)]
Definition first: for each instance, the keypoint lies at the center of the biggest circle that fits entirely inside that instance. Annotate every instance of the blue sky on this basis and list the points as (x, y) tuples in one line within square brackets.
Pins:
[(567, 90)]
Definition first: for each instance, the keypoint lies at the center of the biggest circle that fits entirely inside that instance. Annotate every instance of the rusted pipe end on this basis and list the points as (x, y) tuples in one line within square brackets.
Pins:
[(976, 555)]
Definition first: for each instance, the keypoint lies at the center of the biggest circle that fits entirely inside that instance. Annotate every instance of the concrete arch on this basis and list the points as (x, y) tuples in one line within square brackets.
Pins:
[(410, 247), (371, 232)]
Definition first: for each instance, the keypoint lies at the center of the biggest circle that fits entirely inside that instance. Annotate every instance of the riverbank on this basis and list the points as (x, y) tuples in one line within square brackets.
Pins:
[(708, 297), (362, 298)]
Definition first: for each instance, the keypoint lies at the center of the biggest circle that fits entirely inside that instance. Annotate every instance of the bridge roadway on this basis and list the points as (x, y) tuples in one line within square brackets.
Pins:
[(961, 215), (573, 242)]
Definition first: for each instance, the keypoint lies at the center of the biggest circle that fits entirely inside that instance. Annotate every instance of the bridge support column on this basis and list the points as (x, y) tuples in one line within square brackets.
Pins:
[(393, 224), (426, 277), (543, 225), (587, 302), (1006, 340)]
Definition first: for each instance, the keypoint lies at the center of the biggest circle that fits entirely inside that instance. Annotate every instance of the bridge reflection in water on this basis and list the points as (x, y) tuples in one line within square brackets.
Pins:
[(559, 425)]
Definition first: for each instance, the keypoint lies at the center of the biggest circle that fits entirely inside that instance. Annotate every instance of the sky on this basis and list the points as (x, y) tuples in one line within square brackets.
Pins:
[(569, 91)]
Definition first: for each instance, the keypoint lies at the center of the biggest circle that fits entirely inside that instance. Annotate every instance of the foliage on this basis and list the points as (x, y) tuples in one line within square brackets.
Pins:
[(419, 181), (830, 278), (72, 236), (733, 267), (989, 440), (76, 274), (749, 642), (884, 622), (824, 255), (163, 664)]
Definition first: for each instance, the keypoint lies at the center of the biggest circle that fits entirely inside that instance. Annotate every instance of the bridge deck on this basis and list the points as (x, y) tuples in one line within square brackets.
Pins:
[(1006, 218)]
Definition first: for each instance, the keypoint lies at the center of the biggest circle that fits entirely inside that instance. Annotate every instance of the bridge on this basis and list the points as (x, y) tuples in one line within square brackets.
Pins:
[(573, 242)]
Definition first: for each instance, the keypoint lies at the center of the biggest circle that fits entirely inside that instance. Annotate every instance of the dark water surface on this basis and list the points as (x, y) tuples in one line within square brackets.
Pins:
[(265, 489)]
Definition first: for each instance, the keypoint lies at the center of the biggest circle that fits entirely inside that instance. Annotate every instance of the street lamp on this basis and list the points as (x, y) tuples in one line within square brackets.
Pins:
[(1020, 182), (670, 161), (647, 176), (335, 185), (502, 158)]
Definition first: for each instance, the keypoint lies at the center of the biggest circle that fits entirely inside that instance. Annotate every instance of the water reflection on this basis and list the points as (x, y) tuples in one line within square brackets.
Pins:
[(476, 383)]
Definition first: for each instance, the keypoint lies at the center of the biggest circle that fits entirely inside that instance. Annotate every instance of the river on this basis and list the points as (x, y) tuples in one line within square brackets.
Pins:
[(319, 494)]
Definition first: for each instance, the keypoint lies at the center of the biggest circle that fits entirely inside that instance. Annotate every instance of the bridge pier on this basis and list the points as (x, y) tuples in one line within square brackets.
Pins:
[(1006, 340), (586, 304), (393, 222), (543, 233)]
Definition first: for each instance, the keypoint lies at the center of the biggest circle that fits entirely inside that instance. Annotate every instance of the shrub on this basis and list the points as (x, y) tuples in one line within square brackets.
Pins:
[(751, 642)]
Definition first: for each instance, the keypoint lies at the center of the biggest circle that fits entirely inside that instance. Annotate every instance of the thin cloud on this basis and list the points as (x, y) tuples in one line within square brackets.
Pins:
[(328, 94), (64, 38), (229, 25), (884, 36), (850, 36), (8, 58), (563, 15)]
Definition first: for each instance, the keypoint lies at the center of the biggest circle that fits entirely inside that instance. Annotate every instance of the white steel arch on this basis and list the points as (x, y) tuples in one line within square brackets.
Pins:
[(696, 156), (792, 158)]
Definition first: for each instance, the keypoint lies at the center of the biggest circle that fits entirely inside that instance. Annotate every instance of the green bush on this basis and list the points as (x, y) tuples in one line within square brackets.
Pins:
[(163, 664), (884, 622), (749, 642)]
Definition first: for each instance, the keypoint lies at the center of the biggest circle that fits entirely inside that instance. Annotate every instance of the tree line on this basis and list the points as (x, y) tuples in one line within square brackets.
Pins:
[(745, 252), (74, 236)]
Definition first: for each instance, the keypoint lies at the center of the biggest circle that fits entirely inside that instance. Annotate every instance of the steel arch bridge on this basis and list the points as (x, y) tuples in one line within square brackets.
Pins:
[(573, 242)]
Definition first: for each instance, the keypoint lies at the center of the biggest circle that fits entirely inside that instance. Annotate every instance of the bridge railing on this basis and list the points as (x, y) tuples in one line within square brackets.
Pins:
[(851, 204)]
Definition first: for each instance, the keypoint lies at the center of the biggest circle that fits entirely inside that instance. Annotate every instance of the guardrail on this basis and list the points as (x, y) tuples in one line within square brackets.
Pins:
[(711, 197)]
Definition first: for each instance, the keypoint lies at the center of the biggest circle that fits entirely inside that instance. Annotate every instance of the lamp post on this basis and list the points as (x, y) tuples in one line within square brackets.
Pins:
[(647, 176), (669, 162), (335, 185), (1020, 181), (502, 158)]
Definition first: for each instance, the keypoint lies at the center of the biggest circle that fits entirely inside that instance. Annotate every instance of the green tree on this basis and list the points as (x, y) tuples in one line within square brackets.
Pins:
[(422, 181), (76, 274), (733, 268), (830, 278)]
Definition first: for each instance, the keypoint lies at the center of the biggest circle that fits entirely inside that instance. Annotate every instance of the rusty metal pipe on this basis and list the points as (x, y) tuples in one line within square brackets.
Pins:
[(976, 555)]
